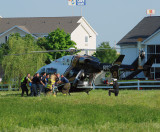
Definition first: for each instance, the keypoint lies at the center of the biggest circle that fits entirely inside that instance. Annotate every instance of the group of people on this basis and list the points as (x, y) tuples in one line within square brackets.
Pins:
[(45, 83)]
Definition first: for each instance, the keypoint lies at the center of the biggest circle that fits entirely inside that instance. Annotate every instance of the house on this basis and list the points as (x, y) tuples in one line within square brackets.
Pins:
[(81, 31), (148, 29)]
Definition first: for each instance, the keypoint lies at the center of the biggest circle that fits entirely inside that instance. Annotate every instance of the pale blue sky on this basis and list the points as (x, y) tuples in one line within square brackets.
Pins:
[(111, 19)]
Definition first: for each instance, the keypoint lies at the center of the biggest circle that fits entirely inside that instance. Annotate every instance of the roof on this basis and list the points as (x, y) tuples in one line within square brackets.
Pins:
[(144, 29), (35, 25)]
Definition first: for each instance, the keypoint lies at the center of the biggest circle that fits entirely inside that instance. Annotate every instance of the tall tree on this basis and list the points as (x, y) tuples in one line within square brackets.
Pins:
[(108, 55), (56, 40), (4, 49), (17, 66)]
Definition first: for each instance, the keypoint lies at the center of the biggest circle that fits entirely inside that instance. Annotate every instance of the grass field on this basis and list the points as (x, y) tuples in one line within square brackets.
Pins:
[(136, 111)]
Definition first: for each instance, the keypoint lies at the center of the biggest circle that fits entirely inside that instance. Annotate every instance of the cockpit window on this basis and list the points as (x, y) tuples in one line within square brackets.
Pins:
[(51, 70)]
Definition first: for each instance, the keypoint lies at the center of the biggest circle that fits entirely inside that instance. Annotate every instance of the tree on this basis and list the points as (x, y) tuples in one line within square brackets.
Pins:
[(108, 55), (4, 49), (56, 40), (17, 66)]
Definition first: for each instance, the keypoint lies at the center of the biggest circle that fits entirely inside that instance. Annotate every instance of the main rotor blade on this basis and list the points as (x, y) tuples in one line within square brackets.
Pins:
[(47, 51), (67, 50)]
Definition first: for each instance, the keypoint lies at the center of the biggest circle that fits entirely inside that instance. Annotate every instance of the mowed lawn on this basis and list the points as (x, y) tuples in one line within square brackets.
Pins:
[(132, 110)]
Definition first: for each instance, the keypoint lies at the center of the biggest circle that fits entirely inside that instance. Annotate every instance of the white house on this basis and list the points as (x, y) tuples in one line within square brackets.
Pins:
[(81, 31), (148, 29)]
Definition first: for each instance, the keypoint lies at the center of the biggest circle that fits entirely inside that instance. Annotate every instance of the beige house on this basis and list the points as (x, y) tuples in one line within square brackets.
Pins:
[(81, 31)]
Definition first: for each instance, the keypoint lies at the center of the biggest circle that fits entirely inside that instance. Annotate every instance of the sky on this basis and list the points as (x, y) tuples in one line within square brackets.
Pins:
[(111, 19)]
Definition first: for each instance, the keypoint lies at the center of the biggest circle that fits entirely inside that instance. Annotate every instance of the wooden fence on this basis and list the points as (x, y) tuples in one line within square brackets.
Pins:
[(6, 87), (139, 85)]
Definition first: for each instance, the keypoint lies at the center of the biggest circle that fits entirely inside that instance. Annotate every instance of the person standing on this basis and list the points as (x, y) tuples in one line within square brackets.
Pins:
[(67, 85), (42, 83), (24, 83), (35, 83), (51, 83)]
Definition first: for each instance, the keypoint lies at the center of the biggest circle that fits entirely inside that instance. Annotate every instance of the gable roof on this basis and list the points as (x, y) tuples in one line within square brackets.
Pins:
[(144, 29), (19, 27), (37, 25)]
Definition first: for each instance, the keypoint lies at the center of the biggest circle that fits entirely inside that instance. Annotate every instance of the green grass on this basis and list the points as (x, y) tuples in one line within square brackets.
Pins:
[(130, 111)]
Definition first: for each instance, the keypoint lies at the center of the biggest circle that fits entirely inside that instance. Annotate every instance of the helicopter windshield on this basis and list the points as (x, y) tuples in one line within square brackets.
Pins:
[(51, 70)]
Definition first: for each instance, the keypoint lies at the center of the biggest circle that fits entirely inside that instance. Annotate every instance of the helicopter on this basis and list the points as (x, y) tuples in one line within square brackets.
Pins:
[(80, 70)]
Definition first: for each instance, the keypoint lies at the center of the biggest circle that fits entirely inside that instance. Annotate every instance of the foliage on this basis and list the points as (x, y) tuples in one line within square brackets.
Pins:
[(17, 66), (131, 111), (108, 55), (56, 40), (4, 49)]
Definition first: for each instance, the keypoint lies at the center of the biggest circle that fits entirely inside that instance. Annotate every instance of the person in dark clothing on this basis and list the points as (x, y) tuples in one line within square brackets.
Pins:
[(35, 82), (115, 89), (24, 83), (43, 83), (66, 87), (39, 84)]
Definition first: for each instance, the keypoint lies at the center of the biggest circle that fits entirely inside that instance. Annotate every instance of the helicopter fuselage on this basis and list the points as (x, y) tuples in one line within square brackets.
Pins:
[(79, 70)]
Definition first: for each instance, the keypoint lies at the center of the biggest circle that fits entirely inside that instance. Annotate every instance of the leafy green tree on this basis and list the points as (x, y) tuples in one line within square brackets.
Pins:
[(56, 40), (107, 55), (17, 66), (4, 49)]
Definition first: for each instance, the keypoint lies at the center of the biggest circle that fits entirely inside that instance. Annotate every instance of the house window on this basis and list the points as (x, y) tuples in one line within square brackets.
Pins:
[(153, 49), (158, 52), (86, 39), (152, 73), (6, 39), (158, 49), (157, 73)]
